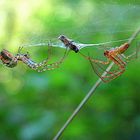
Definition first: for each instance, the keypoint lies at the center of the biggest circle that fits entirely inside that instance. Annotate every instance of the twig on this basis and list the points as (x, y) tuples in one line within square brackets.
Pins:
[(89, 94)]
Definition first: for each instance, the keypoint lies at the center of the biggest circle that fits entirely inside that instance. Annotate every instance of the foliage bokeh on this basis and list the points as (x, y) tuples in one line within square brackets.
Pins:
[(33, 106)]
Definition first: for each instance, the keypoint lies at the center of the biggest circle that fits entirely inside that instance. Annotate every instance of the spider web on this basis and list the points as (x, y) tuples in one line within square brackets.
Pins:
[(108, 27), (107, 23)]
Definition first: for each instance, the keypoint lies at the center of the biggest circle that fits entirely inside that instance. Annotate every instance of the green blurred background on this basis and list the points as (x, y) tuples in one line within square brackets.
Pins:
[(33, 106)]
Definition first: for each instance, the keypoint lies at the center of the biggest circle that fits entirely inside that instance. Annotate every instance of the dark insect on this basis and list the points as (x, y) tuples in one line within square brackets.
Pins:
[(69, 43)]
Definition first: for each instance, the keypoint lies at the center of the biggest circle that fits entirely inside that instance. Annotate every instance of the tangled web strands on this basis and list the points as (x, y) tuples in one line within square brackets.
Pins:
[(80, 45)]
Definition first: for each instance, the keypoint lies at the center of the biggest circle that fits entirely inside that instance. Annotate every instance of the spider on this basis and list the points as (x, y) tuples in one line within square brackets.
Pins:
[(9, 60), (113, 55)]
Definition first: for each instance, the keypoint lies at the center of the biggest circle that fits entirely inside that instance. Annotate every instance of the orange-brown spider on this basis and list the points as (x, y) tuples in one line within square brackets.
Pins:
[(113, 55)]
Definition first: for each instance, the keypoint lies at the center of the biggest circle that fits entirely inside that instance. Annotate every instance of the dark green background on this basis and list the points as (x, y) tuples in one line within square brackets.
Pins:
[(33, 106)]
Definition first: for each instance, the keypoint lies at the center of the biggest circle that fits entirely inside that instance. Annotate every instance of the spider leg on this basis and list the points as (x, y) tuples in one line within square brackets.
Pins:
[(48, 67), (111, 74), (44, 62), (96, 71), (111, 77), (94, 60), (129, 57), (120, 62), (121, 70), (132, 56), (56, 64), (100, 62), (19, 49), (32, 64), (42, 68), (107, 62)]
